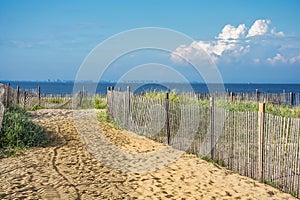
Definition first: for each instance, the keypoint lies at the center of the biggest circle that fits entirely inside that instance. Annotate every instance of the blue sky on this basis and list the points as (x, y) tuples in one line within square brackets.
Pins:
[(250, 41)]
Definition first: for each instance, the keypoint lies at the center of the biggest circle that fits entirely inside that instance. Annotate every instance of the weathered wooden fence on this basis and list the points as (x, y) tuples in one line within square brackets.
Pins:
[(290, 98), (30, 99), (25, 99), (35, 99), (2, 91), (255, 144)]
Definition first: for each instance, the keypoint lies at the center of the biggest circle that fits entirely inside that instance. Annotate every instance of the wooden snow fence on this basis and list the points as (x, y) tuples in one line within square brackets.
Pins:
[(255, 144)]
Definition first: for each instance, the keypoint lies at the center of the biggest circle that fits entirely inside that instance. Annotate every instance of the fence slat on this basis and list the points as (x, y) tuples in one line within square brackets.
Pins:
[(261, 140), (255, 144), (168, 119)]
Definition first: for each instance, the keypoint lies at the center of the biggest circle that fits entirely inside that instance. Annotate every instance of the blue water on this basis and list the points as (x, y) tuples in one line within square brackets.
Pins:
[(67, 87)]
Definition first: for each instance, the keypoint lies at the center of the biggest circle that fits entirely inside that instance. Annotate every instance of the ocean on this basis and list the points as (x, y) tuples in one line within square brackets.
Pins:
[(67, 87)]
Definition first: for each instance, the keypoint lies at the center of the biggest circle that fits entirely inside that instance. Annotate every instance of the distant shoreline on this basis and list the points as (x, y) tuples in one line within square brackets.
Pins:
[(144, 82), (67, 87)]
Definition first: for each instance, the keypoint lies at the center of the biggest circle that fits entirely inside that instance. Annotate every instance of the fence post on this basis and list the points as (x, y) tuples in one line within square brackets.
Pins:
[(112, 101), (80, 97), (167, 119), (212, 131), (261, 141), (108, 99), (18, 95), (39, 95), (128, 104), (284, 97), (291, 98), (83, 91), (257, 95), (7, 95), (25, 97)]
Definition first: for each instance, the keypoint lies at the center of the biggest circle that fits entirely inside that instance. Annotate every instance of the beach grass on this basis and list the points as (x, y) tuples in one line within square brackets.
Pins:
[(18, 132), (240, 106), (248, 106)]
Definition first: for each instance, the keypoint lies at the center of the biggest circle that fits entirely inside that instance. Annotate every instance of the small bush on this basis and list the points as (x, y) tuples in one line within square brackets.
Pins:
[(100, 103), (105, 118), (19, 132)]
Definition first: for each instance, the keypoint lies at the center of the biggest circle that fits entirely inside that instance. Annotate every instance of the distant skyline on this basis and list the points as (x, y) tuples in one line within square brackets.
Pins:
[(254, 41)]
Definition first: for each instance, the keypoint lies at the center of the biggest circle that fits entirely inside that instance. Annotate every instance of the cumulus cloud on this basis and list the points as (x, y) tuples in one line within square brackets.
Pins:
[(230, 32), (226, 41), (276, 59), (279, 59), (260, 27), (234, 43)]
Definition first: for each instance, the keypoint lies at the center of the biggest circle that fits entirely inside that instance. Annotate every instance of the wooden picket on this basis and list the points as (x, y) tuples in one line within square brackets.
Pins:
[(255, 144)]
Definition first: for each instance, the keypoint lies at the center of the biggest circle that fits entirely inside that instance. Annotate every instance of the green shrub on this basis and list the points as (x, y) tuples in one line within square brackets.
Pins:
[(103, 117), (18, 132), (100, 103)]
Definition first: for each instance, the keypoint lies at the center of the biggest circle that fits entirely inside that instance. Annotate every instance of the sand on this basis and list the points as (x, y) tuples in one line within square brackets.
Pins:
[(72, 168)]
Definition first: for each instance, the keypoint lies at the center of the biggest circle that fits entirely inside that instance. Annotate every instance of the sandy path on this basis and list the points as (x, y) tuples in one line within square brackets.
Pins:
[(66, 170)]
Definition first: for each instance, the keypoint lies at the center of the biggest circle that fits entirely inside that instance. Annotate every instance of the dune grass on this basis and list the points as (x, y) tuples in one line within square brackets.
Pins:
[(248, 106), (240, 106), (18, 132)]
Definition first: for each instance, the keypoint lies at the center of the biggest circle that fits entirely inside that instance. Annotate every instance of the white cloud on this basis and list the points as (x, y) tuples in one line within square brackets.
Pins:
[(230, 32), (284, 59), (273, 32), (260, 27), (235, 42), (277, 59), (192, 52), (295, 59), (225, 42)]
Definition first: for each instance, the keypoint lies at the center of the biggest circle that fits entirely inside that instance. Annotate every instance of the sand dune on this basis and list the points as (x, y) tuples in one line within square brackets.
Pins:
[(67, 170)]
